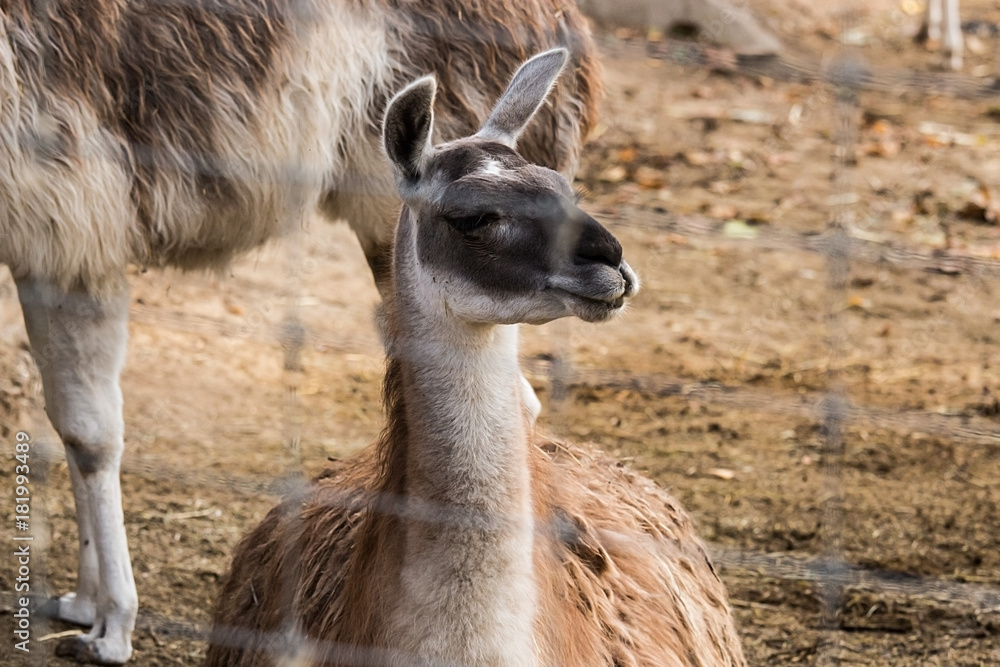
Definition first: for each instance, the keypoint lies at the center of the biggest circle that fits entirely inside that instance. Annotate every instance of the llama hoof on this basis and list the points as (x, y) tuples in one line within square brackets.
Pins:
[(101, 651), (70, 609), (69, 647)]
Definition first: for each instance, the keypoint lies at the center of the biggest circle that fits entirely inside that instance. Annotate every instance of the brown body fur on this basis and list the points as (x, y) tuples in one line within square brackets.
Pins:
[(623, 578), (421, 548)]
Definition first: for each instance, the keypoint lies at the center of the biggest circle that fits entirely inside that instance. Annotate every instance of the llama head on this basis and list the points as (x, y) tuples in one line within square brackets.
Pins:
[(490, 236)]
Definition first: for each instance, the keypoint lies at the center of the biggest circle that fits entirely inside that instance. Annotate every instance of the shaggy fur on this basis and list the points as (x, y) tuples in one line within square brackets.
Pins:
[(461, 537), (183, 133), (623, 578)]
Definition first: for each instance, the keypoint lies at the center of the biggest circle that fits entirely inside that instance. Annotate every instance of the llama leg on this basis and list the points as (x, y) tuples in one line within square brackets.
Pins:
[(954, 43), (79, 343), (79, 607), (371, 215), (75, 607), (934, 22), (379, 256)]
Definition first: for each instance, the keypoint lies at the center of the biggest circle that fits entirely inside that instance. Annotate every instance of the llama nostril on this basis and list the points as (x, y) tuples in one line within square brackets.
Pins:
[(607, 257), (597, 245), (631, 279)]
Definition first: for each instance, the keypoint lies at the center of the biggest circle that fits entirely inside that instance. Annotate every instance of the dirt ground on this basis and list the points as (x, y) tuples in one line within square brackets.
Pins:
[(715, 182)]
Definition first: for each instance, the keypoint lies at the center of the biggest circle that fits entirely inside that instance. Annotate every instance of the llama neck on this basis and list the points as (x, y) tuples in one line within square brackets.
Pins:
[(467, 588)]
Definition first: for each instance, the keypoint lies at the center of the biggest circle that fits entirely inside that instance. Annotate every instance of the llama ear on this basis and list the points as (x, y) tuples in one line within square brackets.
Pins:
[(407, 128), (524, 96)]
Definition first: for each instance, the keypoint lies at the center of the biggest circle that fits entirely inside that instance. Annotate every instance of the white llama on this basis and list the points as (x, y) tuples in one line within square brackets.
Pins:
[(182, 133)]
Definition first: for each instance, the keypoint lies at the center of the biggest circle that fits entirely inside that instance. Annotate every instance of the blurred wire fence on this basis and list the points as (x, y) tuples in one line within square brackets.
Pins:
[(847, 75)]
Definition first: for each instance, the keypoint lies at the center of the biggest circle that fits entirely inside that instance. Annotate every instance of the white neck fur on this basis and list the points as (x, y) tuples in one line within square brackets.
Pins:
[(467, 584)]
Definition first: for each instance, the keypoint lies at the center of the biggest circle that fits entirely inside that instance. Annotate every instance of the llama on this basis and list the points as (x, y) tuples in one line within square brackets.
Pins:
[(935, 20), (183, 133), (462, 537)]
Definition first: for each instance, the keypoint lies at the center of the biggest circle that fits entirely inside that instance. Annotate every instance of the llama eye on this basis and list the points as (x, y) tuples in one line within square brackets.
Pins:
[(470, 223)]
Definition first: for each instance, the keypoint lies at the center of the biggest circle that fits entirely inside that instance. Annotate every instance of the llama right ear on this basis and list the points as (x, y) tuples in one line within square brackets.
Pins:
[(524, 96), (407, 128)]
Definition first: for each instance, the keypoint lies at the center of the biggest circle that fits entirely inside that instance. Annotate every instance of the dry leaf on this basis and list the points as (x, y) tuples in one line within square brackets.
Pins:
[(752, 116), (738, 229), (649, 178), (987, 251), (721, 473), (722, 211), (696, 109), (976, 45), (779, 159), (981, 206), (615, 174), (704, 92), (627, 154), (935, 142), (881, 148), (699, 158), (881, 126), (902, 216), (859, 302)]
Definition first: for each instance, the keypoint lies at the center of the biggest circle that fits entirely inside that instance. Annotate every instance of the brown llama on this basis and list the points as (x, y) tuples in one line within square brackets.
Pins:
[(183, 132), (462, 537)]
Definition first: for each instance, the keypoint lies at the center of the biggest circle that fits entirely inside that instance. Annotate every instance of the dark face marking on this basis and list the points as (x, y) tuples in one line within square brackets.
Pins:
[(507, 233)]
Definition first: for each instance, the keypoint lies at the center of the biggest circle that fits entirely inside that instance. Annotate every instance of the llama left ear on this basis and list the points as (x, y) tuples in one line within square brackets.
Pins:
[(524, 96), (407, 128)]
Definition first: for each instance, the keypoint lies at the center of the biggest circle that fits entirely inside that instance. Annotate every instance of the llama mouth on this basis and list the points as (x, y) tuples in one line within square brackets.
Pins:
[(592, 309)]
